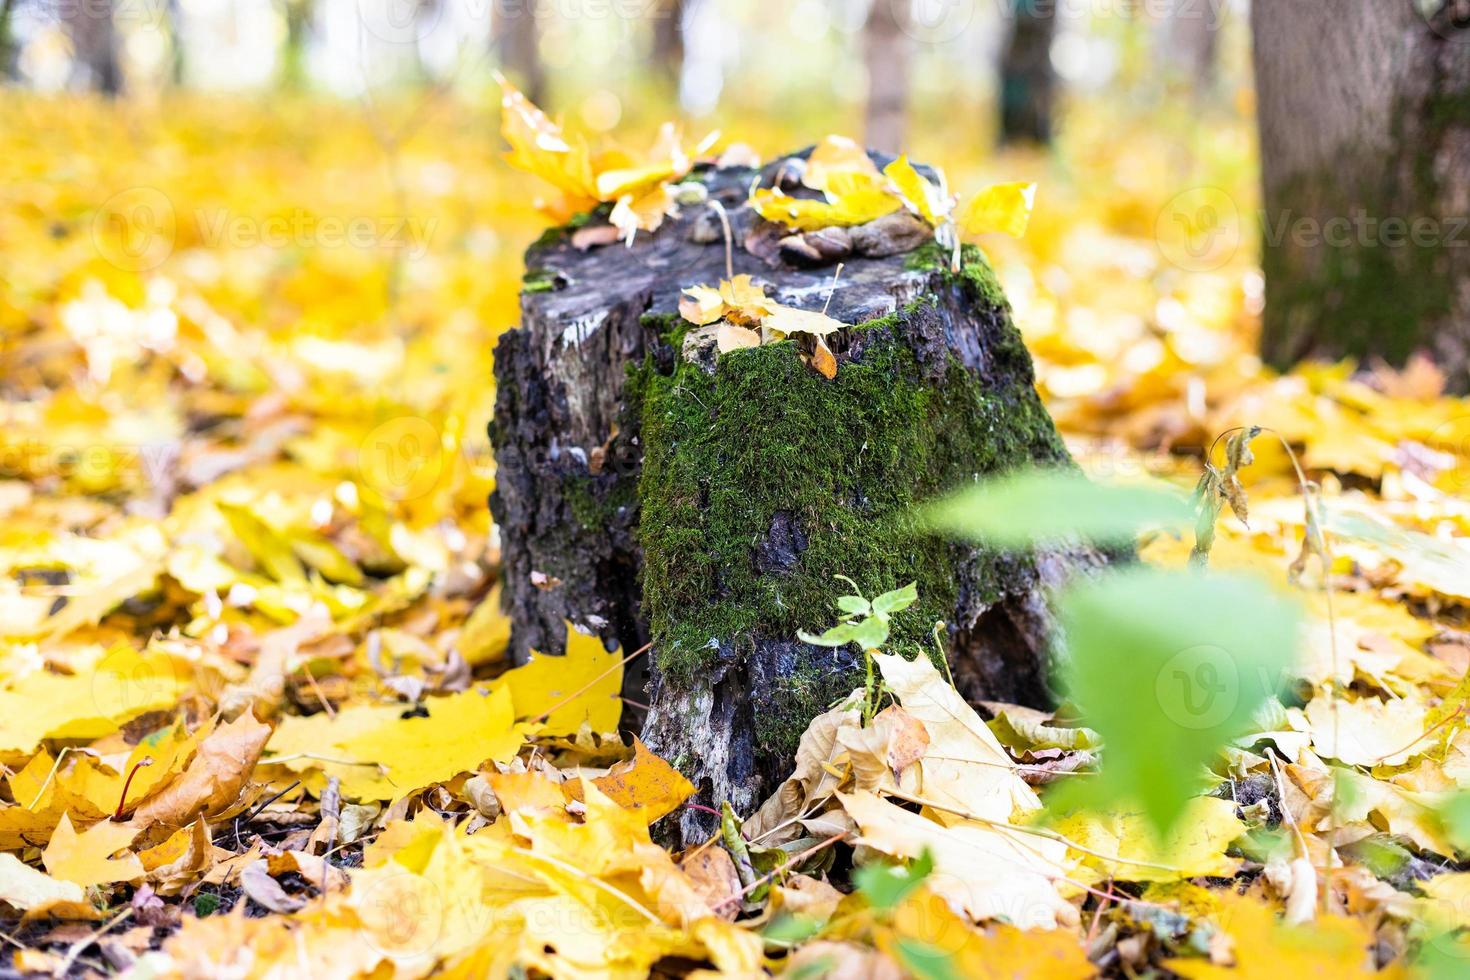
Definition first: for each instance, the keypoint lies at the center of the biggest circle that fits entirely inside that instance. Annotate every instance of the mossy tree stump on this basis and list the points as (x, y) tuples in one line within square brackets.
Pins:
[(648, 489)]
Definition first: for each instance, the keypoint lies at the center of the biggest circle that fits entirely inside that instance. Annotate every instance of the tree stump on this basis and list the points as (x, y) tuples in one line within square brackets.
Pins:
[(650, 489)]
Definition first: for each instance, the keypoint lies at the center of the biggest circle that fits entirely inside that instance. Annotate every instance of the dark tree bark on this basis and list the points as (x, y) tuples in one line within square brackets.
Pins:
[(9, 55), (1027, 81), (89, 23), (298, 15), (650, 489), (1365, 146), (516, 38), (888, 55)]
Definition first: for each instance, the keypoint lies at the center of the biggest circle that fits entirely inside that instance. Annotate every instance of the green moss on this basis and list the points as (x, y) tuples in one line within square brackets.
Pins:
[(1364, 294), (974, 272), (845, 460), (799, 698), (595, 503)]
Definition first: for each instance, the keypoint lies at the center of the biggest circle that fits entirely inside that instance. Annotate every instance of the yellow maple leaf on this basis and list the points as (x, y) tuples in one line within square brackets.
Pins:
[(24, 888), (539, 147), (622, 175), (1004, 208), (745, 301), (646, 782), (836, 155), (583, 685), (998, 953), (855, 199), (385, 753), (122, 685), (214, 778), (784, 320), (87, 858), (702, 305), (1195, 845), (1267, 949), (916, 190)]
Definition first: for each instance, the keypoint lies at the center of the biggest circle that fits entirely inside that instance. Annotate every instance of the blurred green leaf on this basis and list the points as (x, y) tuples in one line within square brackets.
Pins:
[(1168, 667), (885, 885), (1037, 506), (925, 961)]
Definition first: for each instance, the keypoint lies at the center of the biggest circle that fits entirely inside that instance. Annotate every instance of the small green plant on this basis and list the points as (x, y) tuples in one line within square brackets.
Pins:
[(866, 624)]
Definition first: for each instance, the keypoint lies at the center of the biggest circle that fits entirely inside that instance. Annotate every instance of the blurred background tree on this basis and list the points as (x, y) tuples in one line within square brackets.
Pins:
[(1364, 104)]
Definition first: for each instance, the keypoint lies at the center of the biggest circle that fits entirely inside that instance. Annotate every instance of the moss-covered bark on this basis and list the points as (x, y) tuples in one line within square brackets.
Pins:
[(1365, 132), (763, 480), (645, 491)]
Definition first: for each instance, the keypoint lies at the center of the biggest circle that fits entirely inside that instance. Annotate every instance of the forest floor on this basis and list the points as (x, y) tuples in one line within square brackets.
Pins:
[(255, 714)]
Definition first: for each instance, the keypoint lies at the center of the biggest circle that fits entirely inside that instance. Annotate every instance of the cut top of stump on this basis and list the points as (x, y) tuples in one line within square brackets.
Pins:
[(576, 277)]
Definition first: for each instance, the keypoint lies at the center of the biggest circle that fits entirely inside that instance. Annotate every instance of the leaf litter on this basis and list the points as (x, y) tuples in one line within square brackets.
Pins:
[(257, 716)]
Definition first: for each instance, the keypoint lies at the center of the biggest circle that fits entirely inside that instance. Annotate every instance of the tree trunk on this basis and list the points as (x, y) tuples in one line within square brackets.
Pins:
[(89, 23), (887, 54), (1189, 39), (177, 56), (650, 490), (298, 15), (668, 40), (1027, 81), (517, 42), (9, 54), (1365, 146)]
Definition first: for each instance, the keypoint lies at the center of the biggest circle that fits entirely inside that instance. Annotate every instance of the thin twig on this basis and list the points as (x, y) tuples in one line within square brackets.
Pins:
[(788, 863), (76, 948)]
